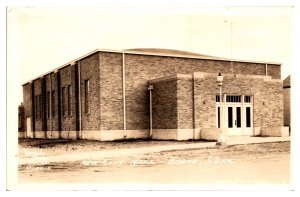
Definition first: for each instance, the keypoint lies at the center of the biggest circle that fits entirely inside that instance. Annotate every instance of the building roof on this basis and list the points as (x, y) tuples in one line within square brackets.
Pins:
[(287, 82), (156, 52), (170, 52)]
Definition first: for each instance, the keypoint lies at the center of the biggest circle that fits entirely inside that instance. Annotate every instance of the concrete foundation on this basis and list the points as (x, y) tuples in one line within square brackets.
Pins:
[(210, 134), (276, 132)]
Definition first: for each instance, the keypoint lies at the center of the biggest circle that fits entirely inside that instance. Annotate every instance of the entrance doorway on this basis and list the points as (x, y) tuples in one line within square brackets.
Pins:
[(237, 114)]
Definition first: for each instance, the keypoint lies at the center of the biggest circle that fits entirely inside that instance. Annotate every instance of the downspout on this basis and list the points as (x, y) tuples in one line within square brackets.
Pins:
[(150, 88), (50, 103), (194, 135), (79, 98), (124, 96)]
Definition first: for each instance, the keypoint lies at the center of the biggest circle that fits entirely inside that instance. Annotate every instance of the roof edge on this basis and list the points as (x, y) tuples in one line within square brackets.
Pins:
[(150, 54)]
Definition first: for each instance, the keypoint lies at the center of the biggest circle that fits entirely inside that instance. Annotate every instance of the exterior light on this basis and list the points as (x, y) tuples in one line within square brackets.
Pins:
[(220, 79), (222, 135)]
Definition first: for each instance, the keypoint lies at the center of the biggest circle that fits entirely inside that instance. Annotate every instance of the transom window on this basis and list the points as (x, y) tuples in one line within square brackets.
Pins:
[(233, 99), (247, 99)]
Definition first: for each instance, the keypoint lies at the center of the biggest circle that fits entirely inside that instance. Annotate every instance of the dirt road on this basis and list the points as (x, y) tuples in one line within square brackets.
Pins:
[(253, 163)]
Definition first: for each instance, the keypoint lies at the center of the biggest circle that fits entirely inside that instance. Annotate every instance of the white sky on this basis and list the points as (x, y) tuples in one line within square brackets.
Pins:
[(40, 39)]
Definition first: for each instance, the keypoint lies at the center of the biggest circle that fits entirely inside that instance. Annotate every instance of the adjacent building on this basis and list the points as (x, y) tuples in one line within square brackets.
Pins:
[(287, 101), (154, 93)]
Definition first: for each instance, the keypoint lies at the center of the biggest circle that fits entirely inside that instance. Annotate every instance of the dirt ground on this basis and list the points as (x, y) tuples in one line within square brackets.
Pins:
[(266, 163), (57, 147)]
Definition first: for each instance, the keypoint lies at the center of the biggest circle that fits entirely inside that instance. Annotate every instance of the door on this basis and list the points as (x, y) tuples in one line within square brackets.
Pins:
[(237, 113), (234, 120), (28, 128)]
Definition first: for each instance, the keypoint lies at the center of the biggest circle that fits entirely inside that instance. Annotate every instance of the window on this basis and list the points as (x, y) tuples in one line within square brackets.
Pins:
[(217, 98), (36, 104), (69, 99), (233, 99), (86, 96), (53, 103), (230, 112), (48, 104), (40, 106), (219, 117), (247, 99), (63, 97), (248, 117)]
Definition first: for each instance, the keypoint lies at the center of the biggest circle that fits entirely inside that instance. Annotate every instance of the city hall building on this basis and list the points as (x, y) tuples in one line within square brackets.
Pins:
[(153, 93)]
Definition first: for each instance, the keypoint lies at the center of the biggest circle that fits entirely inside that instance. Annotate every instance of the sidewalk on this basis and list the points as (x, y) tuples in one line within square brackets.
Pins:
[(110, 154), (235, 140)]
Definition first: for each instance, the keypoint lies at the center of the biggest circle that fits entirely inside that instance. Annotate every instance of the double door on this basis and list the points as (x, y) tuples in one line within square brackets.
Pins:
[(238, 119)]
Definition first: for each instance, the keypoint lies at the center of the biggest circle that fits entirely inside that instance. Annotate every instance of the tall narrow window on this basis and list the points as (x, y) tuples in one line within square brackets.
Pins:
[(53, 103), (248, 117), (230, 117), (36, 104), (48, 104), (219, 117), (87, 96), (69, 99), (63, 97), (238, 117), (40, 106)]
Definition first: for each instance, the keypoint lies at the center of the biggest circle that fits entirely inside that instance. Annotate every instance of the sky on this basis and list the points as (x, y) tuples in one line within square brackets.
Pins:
[(39, 39)]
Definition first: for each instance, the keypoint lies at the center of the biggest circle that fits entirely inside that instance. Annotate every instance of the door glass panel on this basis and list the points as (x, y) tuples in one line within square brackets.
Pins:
[(248, 117), (229, 117), (218, 117), (238, 117)]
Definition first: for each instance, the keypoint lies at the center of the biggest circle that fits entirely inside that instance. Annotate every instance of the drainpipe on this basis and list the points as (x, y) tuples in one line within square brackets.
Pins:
[(193, 92), (150, 88), (124, 96), (50, 102)]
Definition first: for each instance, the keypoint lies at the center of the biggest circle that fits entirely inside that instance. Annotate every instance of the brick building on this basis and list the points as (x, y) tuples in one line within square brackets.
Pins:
[(162, 94)]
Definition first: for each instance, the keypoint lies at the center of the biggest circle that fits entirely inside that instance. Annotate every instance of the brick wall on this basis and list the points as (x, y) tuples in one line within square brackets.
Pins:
[(141, 68), (104, 72), (287, 106), (185, 102), (37, 92), (274, 71), (267, 95), (111, 91), (27, 102), (55, 103), (164, 103), (68, 121), (89, 70), (205, 91)]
